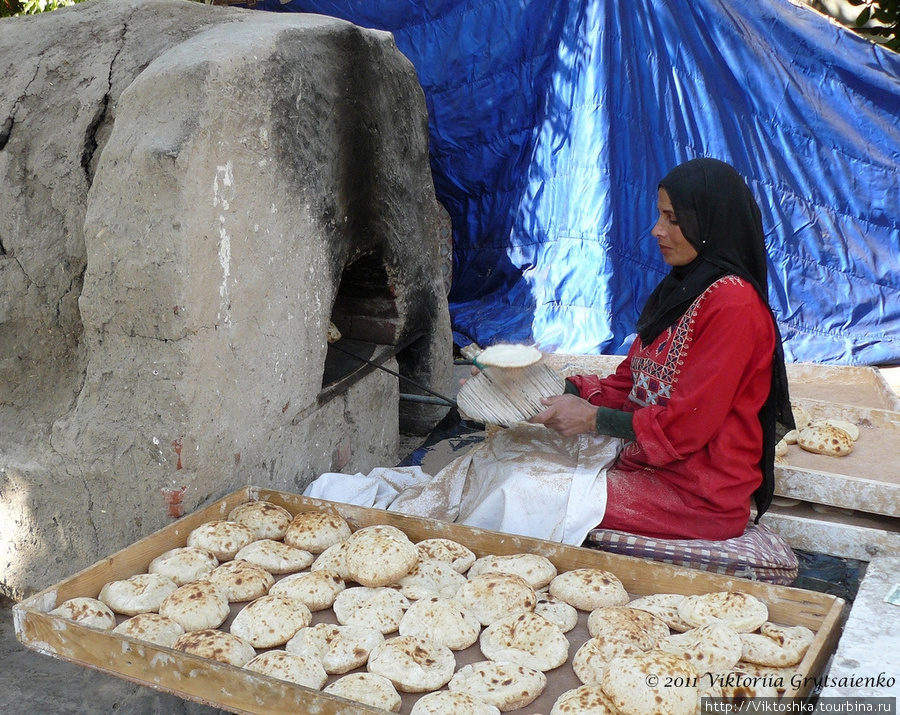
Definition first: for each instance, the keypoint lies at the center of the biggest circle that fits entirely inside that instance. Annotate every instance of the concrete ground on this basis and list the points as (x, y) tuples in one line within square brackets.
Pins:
[(36, 684)]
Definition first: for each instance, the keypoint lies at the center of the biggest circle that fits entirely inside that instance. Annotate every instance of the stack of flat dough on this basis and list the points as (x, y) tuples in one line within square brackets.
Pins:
[(368, 615)]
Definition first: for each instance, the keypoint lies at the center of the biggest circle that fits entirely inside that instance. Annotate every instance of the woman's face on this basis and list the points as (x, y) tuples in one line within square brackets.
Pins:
[(675, 248)]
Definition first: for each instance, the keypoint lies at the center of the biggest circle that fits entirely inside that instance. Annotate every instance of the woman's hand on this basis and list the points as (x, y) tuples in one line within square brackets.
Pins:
[(475, 371), (567, 414)]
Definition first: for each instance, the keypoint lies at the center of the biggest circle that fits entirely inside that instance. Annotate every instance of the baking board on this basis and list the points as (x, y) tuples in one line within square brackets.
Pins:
[(867, 479), (240, 691)]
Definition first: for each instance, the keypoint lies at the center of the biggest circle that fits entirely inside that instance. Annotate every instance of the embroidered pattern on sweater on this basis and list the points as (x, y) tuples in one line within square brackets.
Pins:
[(655, 369)]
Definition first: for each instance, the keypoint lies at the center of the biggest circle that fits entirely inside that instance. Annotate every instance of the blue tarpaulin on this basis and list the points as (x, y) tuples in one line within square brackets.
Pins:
[(553, 120)]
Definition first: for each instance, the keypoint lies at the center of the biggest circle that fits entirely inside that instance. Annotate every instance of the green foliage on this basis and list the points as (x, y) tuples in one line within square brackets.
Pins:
[(880, 18), (8, 8)]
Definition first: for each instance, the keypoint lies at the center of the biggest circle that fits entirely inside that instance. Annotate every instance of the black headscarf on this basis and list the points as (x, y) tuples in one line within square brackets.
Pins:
[(720, 218)]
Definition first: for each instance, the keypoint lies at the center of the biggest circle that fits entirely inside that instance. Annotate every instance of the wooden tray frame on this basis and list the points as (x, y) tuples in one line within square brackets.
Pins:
[(241, 691)]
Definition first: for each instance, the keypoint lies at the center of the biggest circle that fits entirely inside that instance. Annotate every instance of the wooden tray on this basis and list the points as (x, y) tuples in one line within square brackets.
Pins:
[(865, 480), (241, 691)]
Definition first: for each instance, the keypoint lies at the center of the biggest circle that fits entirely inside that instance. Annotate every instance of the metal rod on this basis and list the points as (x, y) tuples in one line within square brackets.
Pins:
[(450, 402)]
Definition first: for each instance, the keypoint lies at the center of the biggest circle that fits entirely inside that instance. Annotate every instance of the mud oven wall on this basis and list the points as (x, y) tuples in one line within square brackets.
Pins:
[(243, 178)]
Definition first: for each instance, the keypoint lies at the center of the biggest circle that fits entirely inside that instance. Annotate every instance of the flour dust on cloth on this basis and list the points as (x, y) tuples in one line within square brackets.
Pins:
[(526, 480)]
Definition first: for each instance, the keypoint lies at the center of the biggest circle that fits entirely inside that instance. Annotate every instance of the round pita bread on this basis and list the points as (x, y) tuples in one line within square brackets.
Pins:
[(791, 436), (537, 570), (845, 425), (595, 654), (451, 702), (317, 589), (378, 608), (274, 556), (801, 416), (298, 669), (492, 596), (151, 627), (506, 686), (368, 689), (86, 611), (458, 556), (196, 606), (216, 645), (268, 520), (587, 589), (240, 580), (742, 611), (665, 607), (586, 700), (778, 646), (825, 439), (509, 355), (736, 687), (525, 639), (431, 578), (184, 564), (412, 663), (443, 620), (223, 538), (648, 682), (141, 593), (641, 627), (332, 559), (714, 648), (340, 649), (315, 531), (270, 621), (558, 612), (379, 556)]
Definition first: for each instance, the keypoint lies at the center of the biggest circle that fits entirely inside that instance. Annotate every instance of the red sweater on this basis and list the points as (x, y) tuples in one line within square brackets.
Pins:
[(695, 392)]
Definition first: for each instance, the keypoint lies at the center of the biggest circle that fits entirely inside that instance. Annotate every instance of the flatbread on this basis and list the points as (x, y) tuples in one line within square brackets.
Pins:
[(508, 355), (216, 645), (240, 580), (536, 569), (845, 425), (665, 607), (141, 593), (742, 611), (275, 557), (452, 552), (586, 700), (270, 621), (713, 648), (368, 689), (317, 589), (525, 639), (557, 611), (737, 687), (587, 589), (196, 606), (443, 620), (451, 702), (641, 627), (492, 596), (332, 559), (340, 649), (184, 564), (87, 612), (825, 439), (268, 520), (378, 608), (801, 415), (223, 538), (298, 669), (379, 556), (506, 686), (315, 531), (414, 664), (594, 655), (778, 646), (151, 627), (649, 682), (431, 578)]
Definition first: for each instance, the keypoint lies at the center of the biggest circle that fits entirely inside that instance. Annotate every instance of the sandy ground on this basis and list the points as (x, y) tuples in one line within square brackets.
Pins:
[(35, 684)]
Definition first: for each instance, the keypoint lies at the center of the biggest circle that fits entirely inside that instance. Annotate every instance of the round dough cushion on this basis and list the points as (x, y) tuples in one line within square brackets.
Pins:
[(315, 531), (298, 669), (506, 686), (637, 684), (492, 596), (223, 538), (270, 621), (184, 564), (317, 589), (141, 593), (196, 606), (645, 629), (216, 645), (586, 700), (240, 580), (378, 608), (525, 639), (587, 589), (444, 620), (268, 520), (86, 611), (275, 557), (537, 570), (378, 556), (340, 649), (151, 627), (452, 702), (368, 689), (412, 663), (452, 552), (742, 611)]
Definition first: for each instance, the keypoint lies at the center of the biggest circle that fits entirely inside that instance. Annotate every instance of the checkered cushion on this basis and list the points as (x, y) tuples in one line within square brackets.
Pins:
[(758, 554)]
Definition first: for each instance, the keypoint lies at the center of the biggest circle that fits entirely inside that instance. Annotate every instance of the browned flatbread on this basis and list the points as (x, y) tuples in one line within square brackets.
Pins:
[(196, 606), (268, 520), (223, 538), (587, 589), (86, 611), (151, 627), (216, 645), (825, 439), (315, 531), (240, 580)]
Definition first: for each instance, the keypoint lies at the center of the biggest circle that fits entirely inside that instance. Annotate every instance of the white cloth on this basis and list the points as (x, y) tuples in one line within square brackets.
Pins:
[(525, 480)]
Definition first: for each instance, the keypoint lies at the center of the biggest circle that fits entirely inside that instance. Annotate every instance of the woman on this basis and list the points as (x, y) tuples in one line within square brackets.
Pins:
[(699, 394)]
